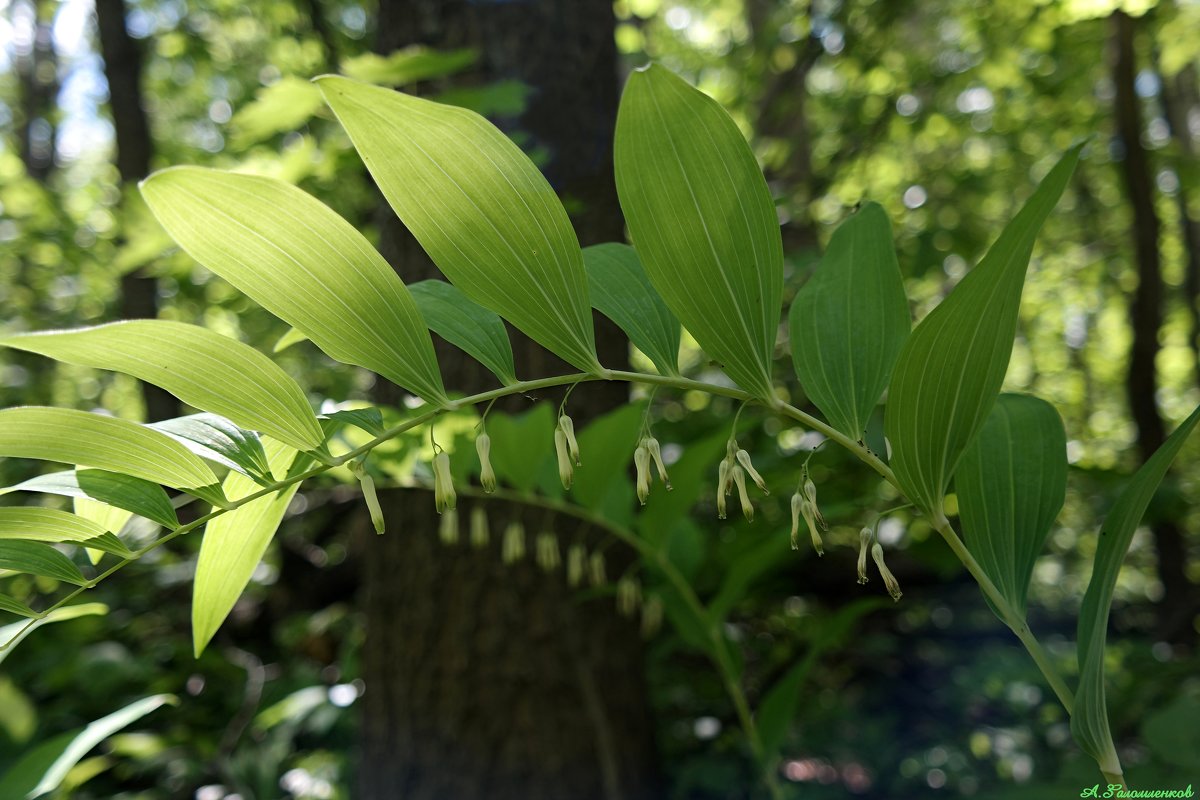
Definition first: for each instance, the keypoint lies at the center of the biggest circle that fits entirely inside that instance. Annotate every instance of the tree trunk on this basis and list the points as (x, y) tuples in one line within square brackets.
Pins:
[(487, 680), (1145, 312), (135, 147)]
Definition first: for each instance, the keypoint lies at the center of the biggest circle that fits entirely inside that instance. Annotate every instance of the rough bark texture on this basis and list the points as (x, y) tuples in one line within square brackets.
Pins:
[(135, 148), (487, 680), (1145, 313)]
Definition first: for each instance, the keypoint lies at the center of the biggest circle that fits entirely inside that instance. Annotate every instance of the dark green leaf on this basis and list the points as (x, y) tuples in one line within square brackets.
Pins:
[(34, 524), (621, 291), (367, 419), (14, 606), (121, 491), (476, 331), (606, 448), (218, 440), (12, 635), (39, 559)]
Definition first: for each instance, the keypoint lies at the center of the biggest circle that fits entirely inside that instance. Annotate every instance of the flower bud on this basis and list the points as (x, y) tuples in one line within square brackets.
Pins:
[(444, 496), (596, 572), (479, 527), (641, 460), (810, 492), (487, 475), (651, 444), (724, 482), (810, 513), (744, 459), (864, 542), (547, 551), (652, 615), (568, 428), (576, 556), (629, 596), (797, 503), (889, 580), (512, 546), (367, 484), (739, 478), (448, 529), (566, 472)]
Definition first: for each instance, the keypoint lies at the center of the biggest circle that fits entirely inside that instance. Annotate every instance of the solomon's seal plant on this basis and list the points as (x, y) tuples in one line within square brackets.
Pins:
[(706, 255)]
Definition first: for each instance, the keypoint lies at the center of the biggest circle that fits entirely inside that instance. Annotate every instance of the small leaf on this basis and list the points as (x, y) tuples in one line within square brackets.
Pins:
[(702, 220), (39, 559), (30, 523), (479, 208), (507, 98), (850, 320), (201, 367), (218, 440), (14, 606), (1089, 721), (233, 545), (142, 497), (952, 366), (94, 440), (522, 444), (293, 336), (1011, 484), (302, 262), (43, 769), (412, 64), (281, 107), (470, 327), (12, 635), (621, 291), (366, 419)]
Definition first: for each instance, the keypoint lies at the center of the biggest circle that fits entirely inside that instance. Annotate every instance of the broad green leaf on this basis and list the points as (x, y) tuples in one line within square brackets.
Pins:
[(14, 606), (521, 445), (412, 64), (606, 448), (702, 220), (234, 543), (108, 517), (43, 769), (142, 497), (281, 107), (1011, 484), (367, 419), (1089, 721), (751, 563), (12, 635), (302, 262), (39, 559), (952, 366), (201, 367), (506, 98), (470, 327), (850, 320), (218, 440), (68, 436), (33, 524), (621, 291), (479, 208)]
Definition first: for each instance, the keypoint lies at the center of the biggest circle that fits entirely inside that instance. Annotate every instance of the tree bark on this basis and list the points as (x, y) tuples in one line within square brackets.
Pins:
[(1145, 314), (134, 150), (487, 680), (37, 73)]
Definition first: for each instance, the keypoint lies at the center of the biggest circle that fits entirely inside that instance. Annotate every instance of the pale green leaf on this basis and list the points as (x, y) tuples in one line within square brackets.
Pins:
[(470, 327), (142, 497), (1011, 484), (302, 262), (281, 107), (702, 220), (1089, 721), (293, 336), (849, 321), (68, 436), (952, 366), (216, 439), (412, 64), (12, 635), (39, 559), (201, 367), (621, 291), (479, 208), (234, 543), (43, 769), (34, 524), (110, 518)]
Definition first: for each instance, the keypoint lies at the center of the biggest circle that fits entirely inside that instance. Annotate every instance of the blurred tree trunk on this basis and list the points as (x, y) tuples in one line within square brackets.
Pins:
[(135, 147), (487, 680), (36, 65), (1177, 605)]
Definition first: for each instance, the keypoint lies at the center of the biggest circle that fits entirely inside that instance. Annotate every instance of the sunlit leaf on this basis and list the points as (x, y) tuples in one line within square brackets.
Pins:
[(702, 220), (281, 107), (43, 769), (950, 370), (201, 367), (216, 439), (68, 436), (302, 262), (293, 336), (1011, 484), (470, 327), (368, 419), (234, 543), (479, 208), (34, 524), (1089, 721), (412, 64), (12, 635), (621, 291), (849, 321), (39, 559), (122, 491)]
